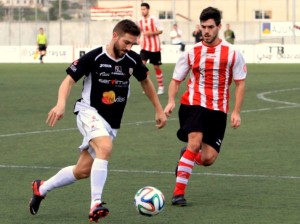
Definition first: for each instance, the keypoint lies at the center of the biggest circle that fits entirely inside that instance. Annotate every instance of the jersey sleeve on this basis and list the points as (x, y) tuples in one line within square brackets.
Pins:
[(141, 71), (182, 68), (81, 67), (240, 67)]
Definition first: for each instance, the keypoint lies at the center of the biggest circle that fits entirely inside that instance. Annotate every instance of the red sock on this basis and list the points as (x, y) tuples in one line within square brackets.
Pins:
[(185, 167), (198, 160), (159, 77)]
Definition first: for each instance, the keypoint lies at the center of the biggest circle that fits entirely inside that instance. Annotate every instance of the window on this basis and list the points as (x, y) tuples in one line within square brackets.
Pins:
[(261, 14), (165, 15)]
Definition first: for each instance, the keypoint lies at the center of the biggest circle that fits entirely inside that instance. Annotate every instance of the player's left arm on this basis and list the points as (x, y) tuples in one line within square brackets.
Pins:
[(239, 98), (149, 90), (239, 77), (158, 28)]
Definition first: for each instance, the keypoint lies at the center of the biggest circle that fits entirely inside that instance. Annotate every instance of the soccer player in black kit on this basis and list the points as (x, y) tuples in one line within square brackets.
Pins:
[(106, 71)]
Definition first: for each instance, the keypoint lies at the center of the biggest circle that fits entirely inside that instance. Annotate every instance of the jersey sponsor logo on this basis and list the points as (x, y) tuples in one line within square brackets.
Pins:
[(104, 74), (120, 99), (104, 81), (209, 55), (119, 83), (114, 82), (105, 66), (110, 98)]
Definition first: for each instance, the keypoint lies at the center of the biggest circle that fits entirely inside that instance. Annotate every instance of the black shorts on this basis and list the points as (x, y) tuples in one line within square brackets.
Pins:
[(42, 47), (211, 123), (154, 57)]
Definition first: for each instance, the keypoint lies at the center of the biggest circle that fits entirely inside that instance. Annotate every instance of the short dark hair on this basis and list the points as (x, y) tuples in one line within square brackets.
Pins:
[(211, 13), (144, 4), (127, 26)]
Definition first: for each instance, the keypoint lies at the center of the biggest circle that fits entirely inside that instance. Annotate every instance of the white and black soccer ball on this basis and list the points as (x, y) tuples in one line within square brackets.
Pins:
[(149, 201)]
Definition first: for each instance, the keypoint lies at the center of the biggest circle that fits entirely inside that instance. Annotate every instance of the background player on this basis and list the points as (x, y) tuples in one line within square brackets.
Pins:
[(150, 43), (41, 41)]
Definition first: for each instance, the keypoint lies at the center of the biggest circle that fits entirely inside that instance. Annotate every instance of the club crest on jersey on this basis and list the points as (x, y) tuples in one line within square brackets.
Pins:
[(130, 71), (118, 68)]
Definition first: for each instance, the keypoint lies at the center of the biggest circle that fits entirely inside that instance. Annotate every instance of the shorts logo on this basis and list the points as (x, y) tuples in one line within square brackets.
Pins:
[(219, 142)]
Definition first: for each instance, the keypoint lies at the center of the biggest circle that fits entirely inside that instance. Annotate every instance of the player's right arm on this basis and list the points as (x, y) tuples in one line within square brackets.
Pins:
[(57, 112), (172, 92), (181, 70)]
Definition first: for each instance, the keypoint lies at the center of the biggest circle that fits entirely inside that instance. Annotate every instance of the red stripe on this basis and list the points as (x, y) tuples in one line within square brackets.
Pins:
[(196, 72), (209, 69), (153, 29), (142, 29), (148, 38), (222, 75)]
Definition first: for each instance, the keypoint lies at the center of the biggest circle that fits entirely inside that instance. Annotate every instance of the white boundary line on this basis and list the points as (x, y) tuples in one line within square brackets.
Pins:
[(159, 172), (263, 97)]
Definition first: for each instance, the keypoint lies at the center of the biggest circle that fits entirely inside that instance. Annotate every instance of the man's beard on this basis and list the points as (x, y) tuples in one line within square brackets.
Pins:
[(117, 51), (211, 40)]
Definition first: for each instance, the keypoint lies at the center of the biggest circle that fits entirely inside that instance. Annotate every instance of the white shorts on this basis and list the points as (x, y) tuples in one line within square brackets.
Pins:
[(92, 125)]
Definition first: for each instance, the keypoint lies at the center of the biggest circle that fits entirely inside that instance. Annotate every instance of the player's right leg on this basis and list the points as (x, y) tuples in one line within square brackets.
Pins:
[(99, 135)]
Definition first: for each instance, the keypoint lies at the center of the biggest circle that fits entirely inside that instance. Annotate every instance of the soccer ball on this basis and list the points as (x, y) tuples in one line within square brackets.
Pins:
[(149, 201)]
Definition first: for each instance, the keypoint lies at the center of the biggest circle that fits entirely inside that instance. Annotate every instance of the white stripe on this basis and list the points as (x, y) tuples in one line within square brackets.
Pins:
[(182, 180), (185, 169), (187, 161), (4, 166)]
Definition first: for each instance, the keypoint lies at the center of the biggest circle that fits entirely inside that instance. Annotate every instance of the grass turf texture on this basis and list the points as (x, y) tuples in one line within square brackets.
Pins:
[(256, 178)]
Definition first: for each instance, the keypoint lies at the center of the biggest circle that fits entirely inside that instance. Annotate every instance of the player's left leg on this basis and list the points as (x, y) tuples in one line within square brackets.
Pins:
[(64, 177), (155, 59), (185, 167), (160, 79)]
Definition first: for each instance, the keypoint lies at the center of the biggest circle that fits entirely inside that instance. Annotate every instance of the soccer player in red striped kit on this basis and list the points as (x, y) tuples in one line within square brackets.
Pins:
[(150, 43), (212, 64)]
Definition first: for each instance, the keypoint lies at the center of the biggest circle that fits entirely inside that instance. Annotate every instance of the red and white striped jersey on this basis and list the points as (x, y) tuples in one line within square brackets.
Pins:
[(211, 72), (150, 43)]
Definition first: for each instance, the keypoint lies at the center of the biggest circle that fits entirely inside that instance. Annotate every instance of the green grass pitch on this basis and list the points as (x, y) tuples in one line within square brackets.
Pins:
[(255, 179)]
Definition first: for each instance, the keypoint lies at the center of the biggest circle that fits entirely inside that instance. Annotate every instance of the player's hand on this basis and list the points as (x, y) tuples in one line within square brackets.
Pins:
[(169, 109), (161, 120), (147, 33), (55, 114), (235, 120)]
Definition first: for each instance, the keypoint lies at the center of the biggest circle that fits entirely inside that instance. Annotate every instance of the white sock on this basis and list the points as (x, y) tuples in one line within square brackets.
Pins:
[(64, 177), (98, 179)]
